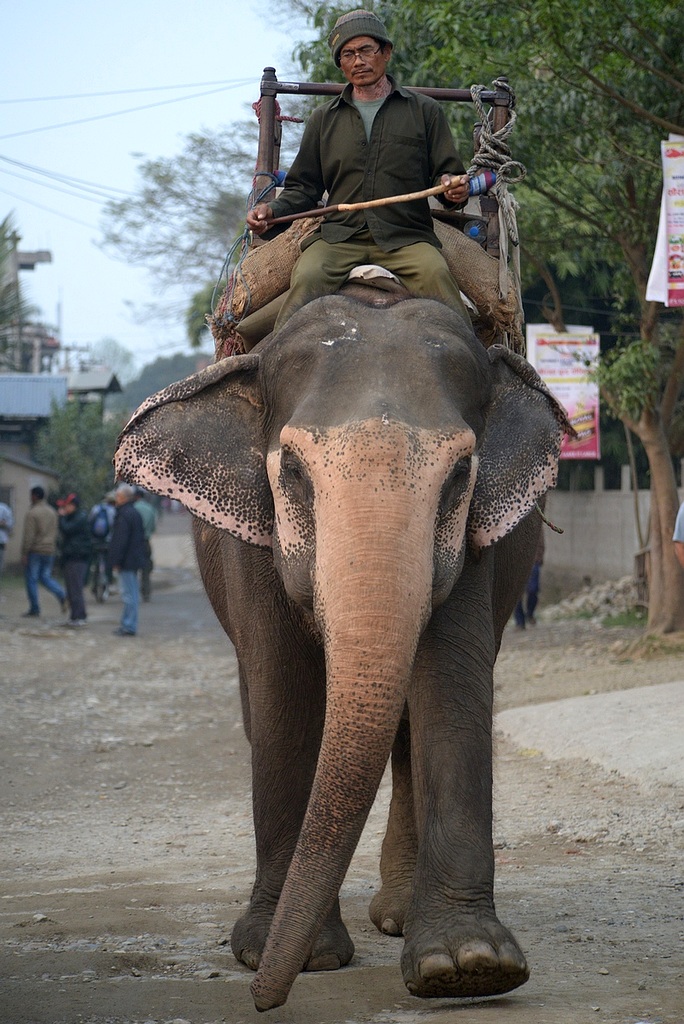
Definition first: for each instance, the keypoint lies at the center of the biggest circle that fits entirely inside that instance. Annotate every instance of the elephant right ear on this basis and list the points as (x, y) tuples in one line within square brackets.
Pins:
[(201, 442)]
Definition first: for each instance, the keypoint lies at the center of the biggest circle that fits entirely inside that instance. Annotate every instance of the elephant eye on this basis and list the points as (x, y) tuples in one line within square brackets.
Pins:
[(294, 480), (455, 486)]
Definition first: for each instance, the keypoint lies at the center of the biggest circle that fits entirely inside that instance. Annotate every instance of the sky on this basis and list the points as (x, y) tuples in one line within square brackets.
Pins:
[(136, 76)]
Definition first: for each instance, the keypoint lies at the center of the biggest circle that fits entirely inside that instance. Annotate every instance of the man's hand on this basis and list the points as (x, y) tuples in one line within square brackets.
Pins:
[(458, 187), (259, 218)]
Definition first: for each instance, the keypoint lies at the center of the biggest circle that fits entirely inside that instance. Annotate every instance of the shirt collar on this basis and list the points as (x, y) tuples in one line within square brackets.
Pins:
[(345, 95)]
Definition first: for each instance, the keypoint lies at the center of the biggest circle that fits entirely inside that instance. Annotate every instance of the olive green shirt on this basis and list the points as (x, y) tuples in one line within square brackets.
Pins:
[(409, 149)]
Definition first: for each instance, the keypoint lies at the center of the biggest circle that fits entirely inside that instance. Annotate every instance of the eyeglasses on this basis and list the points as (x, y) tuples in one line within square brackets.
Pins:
[(364, 52)]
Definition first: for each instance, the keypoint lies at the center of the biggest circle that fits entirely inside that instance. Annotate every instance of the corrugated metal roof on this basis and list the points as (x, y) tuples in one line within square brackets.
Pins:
[(94, 380), (30, 394), (20, 460)]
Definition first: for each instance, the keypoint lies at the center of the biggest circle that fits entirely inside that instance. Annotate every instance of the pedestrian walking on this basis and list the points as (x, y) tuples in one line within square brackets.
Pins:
[(76, 549), (126, 556), (38, 548)]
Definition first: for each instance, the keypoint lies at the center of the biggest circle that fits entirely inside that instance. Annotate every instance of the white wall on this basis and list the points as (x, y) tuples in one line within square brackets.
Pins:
[(600, 536)]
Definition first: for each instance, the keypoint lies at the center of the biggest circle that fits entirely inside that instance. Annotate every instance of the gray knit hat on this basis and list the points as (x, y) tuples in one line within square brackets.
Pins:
[(356, 23)]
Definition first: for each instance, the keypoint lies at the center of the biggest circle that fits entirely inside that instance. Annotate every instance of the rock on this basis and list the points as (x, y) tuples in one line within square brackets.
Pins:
[(609, 598)]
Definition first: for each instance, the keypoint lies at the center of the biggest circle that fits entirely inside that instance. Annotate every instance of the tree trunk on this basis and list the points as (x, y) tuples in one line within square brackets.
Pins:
[(666, 578)]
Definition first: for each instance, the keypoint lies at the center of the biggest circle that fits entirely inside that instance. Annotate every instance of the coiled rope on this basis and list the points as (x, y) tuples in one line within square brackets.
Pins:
[(241, 246), (242, 243), (494, 154)]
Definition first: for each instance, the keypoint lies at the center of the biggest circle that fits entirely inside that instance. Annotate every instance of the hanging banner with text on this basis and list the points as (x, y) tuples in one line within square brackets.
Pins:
[(673, 188), (666, 280), (564, 362)]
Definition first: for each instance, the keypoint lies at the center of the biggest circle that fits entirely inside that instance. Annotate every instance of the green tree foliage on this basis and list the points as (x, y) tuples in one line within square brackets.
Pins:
[(196, 315), (629, 379), (187, 210), (79, 446)]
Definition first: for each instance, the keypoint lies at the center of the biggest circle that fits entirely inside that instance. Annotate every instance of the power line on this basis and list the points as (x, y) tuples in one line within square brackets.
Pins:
[(599, 311), (123, 92), (66, 179), (95, 197), (117, 113), (48, 209)]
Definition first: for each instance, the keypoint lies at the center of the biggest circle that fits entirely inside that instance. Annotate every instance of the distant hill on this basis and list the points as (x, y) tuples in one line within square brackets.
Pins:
[(155, 376)]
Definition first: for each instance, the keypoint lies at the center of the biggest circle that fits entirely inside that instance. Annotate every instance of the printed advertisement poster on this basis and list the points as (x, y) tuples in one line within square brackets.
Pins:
[(564, 362), (673, 190), (666, 280)]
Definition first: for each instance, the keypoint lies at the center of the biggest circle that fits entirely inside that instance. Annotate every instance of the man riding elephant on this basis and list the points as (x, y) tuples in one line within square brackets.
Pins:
[(374, 140)]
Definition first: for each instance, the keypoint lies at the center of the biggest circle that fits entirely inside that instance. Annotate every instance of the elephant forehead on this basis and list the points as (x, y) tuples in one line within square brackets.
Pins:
[(389, 454)]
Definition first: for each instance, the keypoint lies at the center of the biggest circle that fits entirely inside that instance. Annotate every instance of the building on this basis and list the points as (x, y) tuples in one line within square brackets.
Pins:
[(27, 401)]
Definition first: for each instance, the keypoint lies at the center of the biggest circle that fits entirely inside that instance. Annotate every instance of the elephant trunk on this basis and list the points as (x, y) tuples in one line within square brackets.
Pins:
[(372, 603)]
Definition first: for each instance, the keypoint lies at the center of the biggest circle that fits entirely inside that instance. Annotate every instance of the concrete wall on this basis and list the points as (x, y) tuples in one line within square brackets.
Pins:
[(18, 478), (600, 537)]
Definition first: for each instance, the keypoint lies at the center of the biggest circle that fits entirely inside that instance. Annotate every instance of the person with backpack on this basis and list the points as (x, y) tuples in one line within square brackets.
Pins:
[(101, 518)]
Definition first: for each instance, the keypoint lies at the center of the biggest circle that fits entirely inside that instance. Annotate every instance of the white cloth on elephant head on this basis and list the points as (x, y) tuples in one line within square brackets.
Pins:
[(380, 277)]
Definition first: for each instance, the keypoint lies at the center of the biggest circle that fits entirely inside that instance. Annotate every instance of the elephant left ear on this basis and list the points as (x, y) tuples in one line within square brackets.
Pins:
[(201, 442), (519, 450)]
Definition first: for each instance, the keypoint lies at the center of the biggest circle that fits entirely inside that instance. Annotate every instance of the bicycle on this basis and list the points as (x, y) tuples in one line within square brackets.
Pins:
[(100, 581)]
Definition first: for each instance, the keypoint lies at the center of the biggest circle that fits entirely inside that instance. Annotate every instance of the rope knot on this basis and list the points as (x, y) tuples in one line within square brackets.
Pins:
[(256, 107)]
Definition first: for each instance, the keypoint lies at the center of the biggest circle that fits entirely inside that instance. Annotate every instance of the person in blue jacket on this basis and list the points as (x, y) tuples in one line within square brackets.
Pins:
[(126, 556)]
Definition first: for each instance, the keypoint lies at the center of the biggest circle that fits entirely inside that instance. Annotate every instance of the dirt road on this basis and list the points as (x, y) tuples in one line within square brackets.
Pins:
[(127, 848)]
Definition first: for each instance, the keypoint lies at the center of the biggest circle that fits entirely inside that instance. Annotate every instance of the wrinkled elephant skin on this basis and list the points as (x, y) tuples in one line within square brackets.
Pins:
[(365, 485)]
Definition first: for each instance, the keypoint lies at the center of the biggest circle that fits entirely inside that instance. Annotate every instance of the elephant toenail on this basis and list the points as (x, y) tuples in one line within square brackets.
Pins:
[(476, 956), (390, 927), (511, 958), (436, 965)]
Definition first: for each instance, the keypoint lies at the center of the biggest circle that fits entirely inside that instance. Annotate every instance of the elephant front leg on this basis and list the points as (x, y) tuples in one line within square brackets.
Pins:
[(286, 701), (455, 944)]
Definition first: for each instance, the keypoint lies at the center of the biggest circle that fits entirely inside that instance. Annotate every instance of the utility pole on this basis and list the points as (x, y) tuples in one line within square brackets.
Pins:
[(25, 261)]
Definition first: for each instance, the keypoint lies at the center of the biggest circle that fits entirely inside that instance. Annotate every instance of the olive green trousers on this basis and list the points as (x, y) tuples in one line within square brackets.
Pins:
[(323, 268)]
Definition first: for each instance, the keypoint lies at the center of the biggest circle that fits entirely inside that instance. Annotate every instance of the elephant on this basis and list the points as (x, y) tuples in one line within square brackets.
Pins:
[(367, 486)]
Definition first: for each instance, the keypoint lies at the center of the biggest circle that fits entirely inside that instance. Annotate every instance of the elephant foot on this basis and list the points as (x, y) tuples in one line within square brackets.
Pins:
[(388, 908), (332, 949), (476, 956)]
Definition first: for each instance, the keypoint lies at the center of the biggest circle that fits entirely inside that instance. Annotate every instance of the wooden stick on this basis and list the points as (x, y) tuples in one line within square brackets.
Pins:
[(320, 211)]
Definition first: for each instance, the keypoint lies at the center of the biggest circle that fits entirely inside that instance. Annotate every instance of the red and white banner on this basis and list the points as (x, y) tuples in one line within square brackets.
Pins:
[(666, 280), (564, 362)]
